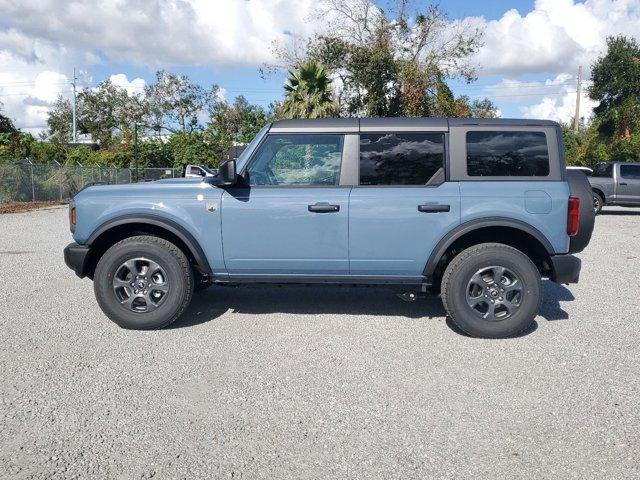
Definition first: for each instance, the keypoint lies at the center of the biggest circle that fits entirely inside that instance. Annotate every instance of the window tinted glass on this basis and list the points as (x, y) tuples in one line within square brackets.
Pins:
[(630, 171), (603, 170), (400, 158), (507, 154), (297, 160)]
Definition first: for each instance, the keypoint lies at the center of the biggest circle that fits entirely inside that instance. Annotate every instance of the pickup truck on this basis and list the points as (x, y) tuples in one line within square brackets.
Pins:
[(615, 183), (476, 211)]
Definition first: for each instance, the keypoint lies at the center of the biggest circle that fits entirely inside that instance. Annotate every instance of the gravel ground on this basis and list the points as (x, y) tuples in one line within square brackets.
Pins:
[(269, 382)]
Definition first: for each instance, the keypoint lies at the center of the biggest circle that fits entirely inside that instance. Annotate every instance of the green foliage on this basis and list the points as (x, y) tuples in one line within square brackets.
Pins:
[(190, 147), (614, 134), (6, 125), (232, 124), (394, 63), (308, 93), (616, 85)]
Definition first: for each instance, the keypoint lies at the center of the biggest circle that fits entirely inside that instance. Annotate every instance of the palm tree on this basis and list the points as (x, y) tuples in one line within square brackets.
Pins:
[(308, 93)]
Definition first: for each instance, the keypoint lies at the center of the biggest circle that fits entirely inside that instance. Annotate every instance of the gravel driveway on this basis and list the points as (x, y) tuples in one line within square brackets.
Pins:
[(301, 382)]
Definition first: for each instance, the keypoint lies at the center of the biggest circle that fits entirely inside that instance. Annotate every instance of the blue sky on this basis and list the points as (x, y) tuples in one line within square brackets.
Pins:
[(527, 65)]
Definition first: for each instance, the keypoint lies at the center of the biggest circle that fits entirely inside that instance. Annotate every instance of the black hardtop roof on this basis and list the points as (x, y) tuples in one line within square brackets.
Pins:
[(409, 123)]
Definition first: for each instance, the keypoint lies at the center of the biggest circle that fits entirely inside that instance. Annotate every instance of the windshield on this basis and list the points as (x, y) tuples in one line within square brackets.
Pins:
[(246, 153)]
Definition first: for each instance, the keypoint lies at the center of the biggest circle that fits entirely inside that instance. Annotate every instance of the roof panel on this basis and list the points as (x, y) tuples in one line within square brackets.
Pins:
[(402, 124), (505, 122), (319, 125), (397, 124)]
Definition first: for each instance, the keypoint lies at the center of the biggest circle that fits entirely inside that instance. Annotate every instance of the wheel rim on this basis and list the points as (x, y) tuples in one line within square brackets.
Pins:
[(596, 203), (494, 293), (140, 285)]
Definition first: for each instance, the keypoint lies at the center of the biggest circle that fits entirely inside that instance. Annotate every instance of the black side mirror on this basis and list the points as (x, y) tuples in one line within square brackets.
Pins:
[(226, 174)]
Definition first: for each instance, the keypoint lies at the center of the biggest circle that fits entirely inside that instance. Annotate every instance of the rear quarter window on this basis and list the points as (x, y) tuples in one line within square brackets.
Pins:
[(507, 154)]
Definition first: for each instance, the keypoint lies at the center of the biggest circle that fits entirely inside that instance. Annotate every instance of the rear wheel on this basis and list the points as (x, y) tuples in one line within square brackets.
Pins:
[(143, 282), (598, 201), (491, 290)]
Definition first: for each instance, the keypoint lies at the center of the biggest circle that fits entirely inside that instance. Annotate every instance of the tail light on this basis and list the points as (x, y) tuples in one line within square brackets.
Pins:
[(573, 218)]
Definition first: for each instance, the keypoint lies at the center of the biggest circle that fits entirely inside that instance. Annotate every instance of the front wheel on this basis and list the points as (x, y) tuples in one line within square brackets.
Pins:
[(491, 290), (143, 283)]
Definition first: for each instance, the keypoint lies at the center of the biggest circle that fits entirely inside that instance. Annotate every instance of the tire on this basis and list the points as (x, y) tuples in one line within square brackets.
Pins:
[(164, 288), (470, 277), (598, 201)]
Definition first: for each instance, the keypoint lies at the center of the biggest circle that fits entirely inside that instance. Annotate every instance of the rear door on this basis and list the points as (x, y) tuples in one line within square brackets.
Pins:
[(628, 183), (288, 215), (402, 205)]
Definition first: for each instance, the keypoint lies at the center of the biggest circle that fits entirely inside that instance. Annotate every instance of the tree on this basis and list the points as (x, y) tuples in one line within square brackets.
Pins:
[(394, 63), (60, 120), (232, 124), (102, 112), (174, 103), (6, 125), (308, 93), (616, 85)]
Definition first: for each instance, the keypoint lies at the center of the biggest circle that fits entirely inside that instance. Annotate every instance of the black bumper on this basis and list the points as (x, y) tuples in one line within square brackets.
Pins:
[(566, 268), (75, 256)]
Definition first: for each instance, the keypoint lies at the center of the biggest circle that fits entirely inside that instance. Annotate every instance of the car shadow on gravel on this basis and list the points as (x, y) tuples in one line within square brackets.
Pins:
[(214, 302), (552, 294), (313, 300)]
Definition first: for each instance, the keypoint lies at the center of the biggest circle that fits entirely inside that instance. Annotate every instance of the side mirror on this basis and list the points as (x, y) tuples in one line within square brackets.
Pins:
[(226, 174)]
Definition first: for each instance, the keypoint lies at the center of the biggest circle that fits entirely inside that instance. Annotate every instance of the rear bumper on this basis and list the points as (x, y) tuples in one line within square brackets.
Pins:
[(75, 256), (566, 268)]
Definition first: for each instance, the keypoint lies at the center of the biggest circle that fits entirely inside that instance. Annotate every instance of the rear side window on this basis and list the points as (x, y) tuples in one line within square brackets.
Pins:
[(507, 154), (630, 171), (400, 158), (603, 170)]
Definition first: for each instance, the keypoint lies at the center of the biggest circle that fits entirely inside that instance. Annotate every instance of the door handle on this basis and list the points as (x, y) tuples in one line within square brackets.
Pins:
[(434, 208), (324, 208), (622, 183)]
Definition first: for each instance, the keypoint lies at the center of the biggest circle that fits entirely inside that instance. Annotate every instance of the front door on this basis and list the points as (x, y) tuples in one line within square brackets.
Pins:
[(402, 206), (629, 184), (288, 216)]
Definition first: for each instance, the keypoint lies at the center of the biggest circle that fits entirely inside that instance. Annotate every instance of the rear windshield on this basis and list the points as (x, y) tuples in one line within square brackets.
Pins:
[(507, 154)]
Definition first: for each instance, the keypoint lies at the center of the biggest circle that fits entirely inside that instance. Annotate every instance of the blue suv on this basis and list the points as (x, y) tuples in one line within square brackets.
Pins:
[(477, 211)]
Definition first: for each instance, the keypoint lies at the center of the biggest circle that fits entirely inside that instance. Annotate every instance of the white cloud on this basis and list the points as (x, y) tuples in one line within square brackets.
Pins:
[(163, 32), (41, 40), (133, 87), (556, 37), (560, 107)]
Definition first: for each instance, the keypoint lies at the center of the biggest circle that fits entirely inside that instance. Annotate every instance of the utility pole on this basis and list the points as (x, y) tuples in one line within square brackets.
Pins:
[(576, 119), (75, 136)]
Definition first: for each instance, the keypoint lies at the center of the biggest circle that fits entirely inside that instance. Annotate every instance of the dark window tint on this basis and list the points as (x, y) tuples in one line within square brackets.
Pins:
[(297, 160), (603, 170), (507, 154), (630, 171), (400, 158)]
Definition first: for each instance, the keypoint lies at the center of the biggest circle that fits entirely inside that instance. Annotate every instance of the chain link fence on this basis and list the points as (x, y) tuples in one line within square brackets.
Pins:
[(45, 182)]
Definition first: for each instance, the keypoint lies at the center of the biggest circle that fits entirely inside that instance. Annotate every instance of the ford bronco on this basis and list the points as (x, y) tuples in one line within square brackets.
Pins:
[(477, 211)]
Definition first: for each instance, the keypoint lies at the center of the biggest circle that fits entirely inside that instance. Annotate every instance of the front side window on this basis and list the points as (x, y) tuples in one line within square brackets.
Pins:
[(507, 154), (297, 159), (630, 171), (603, 170), (400, 158)]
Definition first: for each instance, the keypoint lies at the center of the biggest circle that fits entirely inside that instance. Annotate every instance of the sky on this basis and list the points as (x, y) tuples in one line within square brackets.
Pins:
[(527, 65)]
